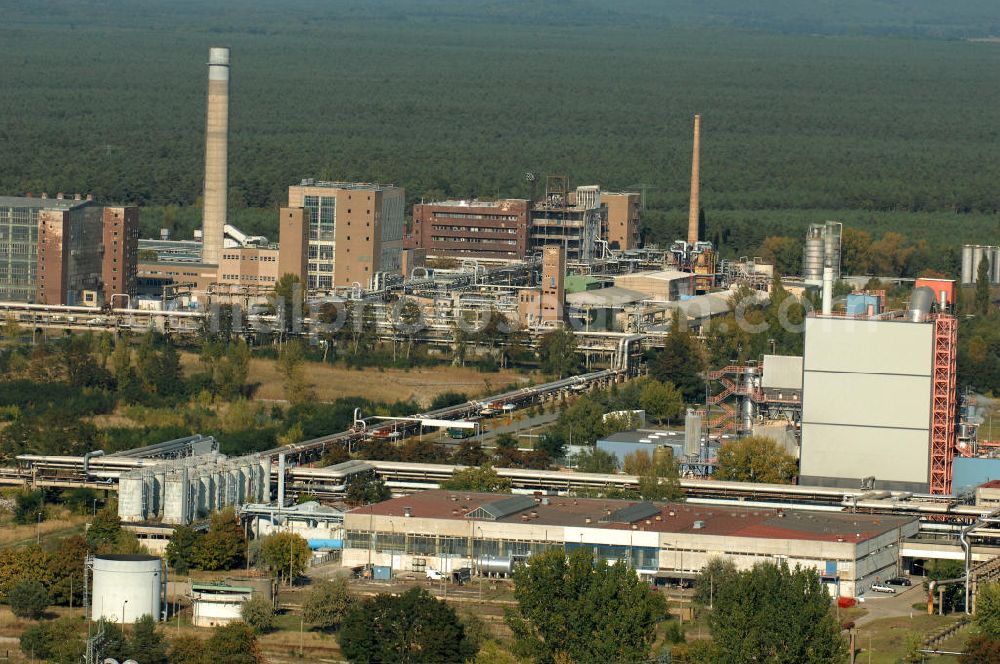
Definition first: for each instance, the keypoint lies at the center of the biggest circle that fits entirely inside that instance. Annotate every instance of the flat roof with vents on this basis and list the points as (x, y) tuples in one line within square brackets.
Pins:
[(753, 522)]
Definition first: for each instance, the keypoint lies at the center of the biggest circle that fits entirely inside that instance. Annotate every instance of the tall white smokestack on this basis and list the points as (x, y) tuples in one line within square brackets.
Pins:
[(827, 289), (213, 219)]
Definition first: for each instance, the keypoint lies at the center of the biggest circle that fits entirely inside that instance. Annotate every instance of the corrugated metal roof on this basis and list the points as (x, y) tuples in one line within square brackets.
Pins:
[(632, 513), (498, 509)]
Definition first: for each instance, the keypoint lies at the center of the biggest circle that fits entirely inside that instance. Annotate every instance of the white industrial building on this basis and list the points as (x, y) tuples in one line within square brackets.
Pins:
[(868, 389), (179, 491), (217, 604), (445, 530)]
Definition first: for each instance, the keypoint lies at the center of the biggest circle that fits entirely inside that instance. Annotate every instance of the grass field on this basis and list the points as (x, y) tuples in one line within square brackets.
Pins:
[(419, 384)]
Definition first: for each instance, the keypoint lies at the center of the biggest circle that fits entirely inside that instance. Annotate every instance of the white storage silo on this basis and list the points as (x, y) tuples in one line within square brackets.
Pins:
[(127, 587)]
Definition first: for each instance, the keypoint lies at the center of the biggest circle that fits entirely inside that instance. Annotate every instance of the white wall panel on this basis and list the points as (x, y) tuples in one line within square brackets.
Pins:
[(875, 400), (865, 346), (854, 452)]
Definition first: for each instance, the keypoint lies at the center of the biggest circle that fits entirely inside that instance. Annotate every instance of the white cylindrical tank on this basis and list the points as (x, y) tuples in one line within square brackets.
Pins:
[(967, 253), (126, 587)]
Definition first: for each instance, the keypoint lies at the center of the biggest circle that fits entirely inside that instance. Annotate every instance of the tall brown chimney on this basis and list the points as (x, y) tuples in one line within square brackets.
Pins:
[(213, 219), (695, 165)]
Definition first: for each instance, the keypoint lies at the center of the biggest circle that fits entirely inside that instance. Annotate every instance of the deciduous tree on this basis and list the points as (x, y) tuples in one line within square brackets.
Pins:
[(777, 615), (477, 479), (408, 628), (327, 603), (755, 459), (285, 555), (580, 609)]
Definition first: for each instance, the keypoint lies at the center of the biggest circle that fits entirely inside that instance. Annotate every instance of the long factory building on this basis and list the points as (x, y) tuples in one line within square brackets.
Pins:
[(445, 530)]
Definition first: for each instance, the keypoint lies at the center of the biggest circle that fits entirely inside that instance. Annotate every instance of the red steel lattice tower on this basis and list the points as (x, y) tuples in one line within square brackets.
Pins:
[(943, 404)]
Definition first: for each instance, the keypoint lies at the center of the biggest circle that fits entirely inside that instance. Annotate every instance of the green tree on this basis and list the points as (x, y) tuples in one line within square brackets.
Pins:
[(223, 546), (180, 553), (492, 652), (477, 479), (366, 488), (28, 599), (469, 453), (187, 649), (235, 643), (773, 614), (580, 609), (58, 642), (557, 352), (988, 610), (327, 603), (715, 573), (595, 461), (680, 362), (66, 571), (288, 301), (662, 480), (296, 385), (29, 506), (954, 593), (982, 298), (755, 459), (661, 401), (146, 644), (105, 528), (285, 555), (258, 613), (408, 628)]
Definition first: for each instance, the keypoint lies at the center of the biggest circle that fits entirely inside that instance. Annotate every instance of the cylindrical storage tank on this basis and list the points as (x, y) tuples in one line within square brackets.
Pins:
[(967, 274), (263, 586), (812, 254), (692, 433), (490, 565), (832, 233), (126, 587), (920, 303)]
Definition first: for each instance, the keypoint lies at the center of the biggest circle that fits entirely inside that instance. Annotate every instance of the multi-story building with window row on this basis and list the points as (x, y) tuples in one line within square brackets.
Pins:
[(67, 251), (355, 230)]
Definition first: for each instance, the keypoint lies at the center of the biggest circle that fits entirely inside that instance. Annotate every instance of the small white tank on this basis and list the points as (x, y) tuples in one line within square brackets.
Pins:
[(127, 587)]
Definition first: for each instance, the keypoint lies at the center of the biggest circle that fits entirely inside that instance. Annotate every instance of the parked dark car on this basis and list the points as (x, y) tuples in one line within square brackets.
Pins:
[(900, 581)]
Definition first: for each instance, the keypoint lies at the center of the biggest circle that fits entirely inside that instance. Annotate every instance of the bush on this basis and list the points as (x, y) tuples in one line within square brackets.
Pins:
[(258, 613), (28, 505), (28, 599), (327, 603)]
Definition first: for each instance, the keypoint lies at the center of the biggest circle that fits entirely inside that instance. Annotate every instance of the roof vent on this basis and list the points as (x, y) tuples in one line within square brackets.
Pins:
[(659, 517), (587, 520), (635, 527), (453, 498), (533, 515), (545, 501), (672, 513), (407, 511), (698, 525)]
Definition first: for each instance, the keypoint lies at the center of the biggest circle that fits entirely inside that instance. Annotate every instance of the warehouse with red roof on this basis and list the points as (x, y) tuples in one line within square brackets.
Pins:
[(490, 533)]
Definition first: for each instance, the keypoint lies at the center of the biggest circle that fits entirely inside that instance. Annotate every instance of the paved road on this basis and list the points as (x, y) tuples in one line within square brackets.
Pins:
[(881, 606)]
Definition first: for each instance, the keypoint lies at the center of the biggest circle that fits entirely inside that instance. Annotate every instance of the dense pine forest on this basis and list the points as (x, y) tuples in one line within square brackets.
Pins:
[(883, 117)]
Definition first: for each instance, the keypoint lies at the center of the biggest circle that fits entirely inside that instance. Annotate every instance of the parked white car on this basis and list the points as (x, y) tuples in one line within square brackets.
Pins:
[(881, 588), (434, 575)]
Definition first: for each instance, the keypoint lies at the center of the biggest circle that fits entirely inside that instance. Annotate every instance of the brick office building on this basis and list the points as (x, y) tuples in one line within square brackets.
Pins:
[(488, 230)]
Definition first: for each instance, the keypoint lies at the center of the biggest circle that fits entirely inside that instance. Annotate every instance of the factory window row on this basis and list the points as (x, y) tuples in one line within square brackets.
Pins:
[(474, 229), (471, 215), (237, 257), (471, 240), (247, 277)]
